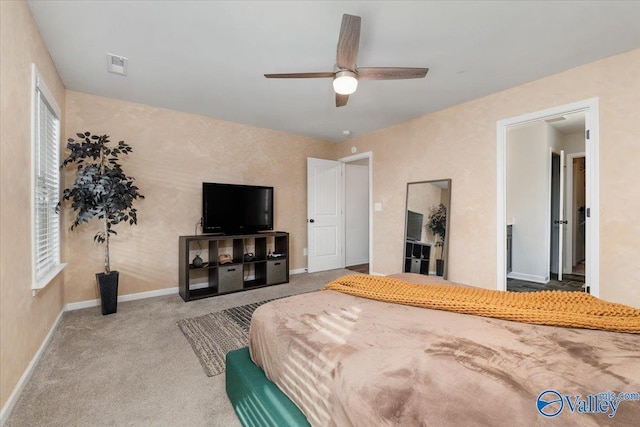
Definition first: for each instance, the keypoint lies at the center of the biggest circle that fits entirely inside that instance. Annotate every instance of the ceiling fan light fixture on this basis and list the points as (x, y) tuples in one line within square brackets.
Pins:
[(345, 82)]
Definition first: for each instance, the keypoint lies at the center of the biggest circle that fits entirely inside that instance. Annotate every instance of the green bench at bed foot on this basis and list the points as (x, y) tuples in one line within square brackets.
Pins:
[(257, 401)]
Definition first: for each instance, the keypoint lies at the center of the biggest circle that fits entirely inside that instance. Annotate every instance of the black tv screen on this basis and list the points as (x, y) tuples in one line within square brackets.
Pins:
[(414, 225), (236, 209)]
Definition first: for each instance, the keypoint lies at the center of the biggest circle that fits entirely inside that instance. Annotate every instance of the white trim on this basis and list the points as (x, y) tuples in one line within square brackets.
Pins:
[(528, 277), (592, 163), (32, 181), (129, 297), (38, 84), (373, 273), (44, 281), (26, 375), (367, 155), (562, 215), (37, 80), (501, 212), (547, 231), (592, 252), (71, 306), (343, 221)]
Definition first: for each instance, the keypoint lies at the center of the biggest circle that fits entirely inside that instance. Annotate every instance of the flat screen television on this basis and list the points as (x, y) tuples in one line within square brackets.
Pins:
[(236, 209), (414, 225)]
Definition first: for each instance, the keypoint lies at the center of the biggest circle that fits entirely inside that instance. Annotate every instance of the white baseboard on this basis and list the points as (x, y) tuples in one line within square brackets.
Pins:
[(528, 277), (22, 382), (142, 295), (373, 273), (129, 297), (360, 262)]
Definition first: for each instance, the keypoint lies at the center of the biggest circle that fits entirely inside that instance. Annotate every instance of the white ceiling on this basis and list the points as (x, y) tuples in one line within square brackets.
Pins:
[(209, 58), (569, 123)]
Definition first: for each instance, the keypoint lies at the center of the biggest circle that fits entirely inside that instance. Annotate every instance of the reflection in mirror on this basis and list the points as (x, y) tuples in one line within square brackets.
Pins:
[(426, 227)]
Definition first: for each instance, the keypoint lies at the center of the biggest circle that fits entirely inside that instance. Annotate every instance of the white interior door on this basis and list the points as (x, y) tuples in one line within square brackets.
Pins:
[(561, 219), (324, 214), (557, 214)]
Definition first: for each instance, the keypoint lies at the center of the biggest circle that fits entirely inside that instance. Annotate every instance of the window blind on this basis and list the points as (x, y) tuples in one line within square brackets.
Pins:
[(46, 187)]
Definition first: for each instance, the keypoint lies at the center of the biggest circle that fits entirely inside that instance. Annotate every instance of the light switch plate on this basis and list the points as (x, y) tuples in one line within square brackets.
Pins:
[(377, 206)]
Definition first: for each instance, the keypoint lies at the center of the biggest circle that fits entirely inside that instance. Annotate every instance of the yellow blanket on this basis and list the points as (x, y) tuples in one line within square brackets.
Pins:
[(555, 308)]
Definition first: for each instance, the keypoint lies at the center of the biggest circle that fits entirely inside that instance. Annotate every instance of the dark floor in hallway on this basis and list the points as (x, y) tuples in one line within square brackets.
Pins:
[(570, 282), (360, 268)]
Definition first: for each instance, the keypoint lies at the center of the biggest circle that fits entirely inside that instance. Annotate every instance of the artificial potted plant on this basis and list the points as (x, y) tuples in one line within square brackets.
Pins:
[(438, 225), (101, 189)]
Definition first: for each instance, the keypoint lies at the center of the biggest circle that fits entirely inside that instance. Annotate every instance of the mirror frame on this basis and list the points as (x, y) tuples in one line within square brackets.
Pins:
[(445, 255)]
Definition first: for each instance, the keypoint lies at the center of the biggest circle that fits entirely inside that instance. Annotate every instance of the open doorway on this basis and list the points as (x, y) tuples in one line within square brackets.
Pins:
[(547, 200), (357, 212), (339, 213)]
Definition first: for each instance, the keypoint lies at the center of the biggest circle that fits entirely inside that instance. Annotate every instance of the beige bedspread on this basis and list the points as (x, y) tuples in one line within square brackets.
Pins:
[(345, 360)]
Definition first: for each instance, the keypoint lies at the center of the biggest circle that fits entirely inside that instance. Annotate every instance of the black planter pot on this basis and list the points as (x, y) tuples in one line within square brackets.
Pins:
[(439, 267), (108, 284)]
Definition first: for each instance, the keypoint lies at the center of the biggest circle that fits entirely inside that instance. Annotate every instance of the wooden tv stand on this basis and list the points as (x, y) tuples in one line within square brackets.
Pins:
[(242, 273)]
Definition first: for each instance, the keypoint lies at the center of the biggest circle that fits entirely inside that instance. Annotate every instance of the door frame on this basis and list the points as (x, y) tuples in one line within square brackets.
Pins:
[(344, 160), (592, 159)]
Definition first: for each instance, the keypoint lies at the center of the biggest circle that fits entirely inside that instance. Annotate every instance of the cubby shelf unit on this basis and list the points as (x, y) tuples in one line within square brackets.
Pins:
[(268, 266)]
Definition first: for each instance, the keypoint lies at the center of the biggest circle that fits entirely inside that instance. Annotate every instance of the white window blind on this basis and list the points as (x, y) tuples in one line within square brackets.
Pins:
[(46, 188)]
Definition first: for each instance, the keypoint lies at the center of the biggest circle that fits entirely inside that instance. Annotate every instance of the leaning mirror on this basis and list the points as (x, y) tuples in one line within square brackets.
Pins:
[(426, 227)]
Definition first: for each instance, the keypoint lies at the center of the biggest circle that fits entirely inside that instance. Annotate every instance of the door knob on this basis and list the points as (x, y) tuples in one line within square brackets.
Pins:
[(312, 221)]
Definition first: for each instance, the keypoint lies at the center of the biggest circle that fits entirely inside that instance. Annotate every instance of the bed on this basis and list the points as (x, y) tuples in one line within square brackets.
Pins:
[(350, 361)]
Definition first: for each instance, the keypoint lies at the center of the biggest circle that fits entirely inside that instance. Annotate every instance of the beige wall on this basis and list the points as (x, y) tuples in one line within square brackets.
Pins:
[(25, 320), (173, 153), (460, 143)]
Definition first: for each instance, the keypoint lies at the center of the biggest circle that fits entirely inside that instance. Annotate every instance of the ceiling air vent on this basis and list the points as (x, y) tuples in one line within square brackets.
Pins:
[(556, 119), (117, 64)]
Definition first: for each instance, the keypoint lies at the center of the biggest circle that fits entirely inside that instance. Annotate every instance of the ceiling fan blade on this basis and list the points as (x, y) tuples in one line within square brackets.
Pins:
[(390, 73), (348, 42), (341, 100), (299, 75)]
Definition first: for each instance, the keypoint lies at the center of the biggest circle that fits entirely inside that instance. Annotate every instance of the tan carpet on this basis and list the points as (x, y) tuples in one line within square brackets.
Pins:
[(135, 367), (213, 335)]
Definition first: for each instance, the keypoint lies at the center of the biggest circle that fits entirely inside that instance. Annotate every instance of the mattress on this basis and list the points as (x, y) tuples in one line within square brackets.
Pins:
[(350, 361)]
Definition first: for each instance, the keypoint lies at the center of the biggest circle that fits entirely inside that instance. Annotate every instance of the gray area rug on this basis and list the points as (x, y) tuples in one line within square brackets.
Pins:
[(213, 335)]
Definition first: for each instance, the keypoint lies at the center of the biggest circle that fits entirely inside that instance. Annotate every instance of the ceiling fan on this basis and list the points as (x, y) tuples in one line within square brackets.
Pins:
[(345, 78)]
